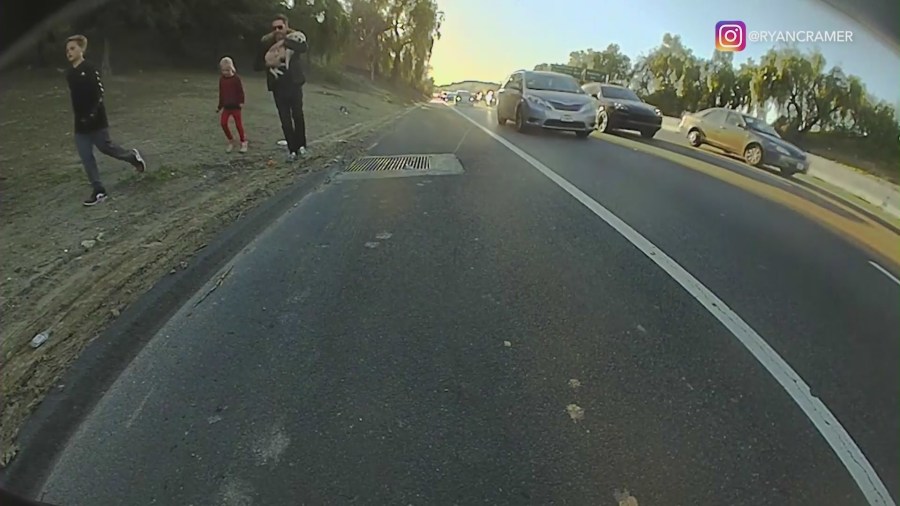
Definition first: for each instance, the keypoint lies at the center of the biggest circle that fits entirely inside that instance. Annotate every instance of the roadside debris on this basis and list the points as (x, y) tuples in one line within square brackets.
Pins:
[(9, 455), (88, 243), (40, 339), (215, 286), (372, 244), (574, 383), (575, 411), (507, 344), (624, 498)]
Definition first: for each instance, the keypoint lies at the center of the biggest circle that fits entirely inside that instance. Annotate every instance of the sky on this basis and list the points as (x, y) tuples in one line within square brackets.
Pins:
[(487, 43)]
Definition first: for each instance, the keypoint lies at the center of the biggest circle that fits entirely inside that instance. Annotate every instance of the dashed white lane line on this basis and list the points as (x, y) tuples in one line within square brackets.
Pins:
[(834, 433), (885, 272)]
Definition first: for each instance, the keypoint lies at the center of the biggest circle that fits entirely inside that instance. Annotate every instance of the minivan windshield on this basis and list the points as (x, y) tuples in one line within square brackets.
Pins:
[(552, 82)]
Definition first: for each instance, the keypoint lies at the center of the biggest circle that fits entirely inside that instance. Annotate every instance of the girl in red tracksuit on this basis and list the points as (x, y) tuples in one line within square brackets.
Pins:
[(231, 100)]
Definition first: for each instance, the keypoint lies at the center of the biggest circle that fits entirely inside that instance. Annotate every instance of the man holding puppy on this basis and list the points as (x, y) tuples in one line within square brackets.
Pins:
[(280, 56)]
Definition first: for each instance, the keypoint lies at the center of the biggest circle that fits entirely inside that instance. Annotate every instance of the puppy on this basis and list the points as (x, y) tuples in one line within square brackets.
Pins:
[(279, 53)]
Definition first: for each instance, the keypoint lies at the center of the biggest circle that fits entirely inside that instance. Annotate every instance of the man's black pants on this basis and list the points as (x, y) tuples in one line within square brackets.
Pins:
[(289, 102)]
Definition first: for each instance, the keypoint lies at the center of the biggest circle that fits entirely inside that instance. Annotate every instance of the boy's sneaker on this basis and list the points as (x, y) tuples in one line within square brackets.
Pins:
[(140, 164), (229, 147), (291, 157), (243, 147), (97, 197), (303, 151)]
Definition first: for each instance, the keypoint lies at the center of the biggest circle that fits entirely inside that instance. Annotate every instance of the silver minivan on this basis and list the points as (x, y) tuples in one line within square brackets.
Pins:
[(546, 100)]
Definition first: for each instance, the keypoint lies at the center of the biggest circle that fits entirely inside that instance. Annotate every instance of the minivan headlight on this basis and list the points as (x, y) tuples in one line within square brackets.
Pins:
[(537, 102)]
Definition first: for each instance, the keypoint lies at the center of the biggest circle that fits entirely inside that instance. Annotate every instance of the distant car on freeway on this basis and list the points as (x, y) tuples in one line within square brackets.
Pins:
[(619, 108), (744, 135), (450, 97), (463, 97), (547, 100)]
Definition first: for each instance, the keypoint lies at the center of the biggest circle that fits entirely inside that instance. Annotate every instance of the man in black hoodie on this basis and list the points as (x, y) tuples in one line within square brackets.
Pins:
[(91, 125), (280, 56)]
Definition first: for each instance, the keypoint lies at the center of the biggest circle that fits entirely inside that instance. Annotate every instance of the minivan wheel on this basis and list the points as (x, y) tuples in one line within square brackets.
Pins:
[(520, 120), (500, 119), (753, 155)]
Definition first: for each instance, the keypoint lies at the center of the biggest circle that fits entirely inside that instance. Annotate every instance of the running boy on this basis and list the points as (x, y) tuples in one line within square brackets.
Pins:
[(91, 125), (231, 100)]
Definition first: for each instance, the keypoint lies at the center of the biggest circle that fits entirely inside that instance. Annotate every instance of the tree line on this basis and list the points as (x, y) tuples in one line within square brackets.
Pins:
[(390, 39), (807, 95)]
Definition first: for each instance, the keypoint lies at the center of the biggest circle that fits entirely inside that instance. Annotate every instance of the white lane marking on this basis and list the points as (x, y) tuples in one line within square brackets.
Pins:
[(834, 433), (461, 140), (140, 409), (885, 272)]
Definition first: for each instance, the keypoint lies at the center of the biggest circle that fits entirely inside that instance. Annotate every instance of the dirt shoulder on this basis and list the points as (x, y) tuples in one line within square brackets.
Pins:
[(72, 269)]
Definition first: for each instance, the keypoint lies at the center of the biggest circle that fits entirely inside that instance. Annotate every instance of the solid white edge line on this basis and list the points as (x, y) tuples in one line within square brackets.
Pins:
[(834, 433), (885, 272)]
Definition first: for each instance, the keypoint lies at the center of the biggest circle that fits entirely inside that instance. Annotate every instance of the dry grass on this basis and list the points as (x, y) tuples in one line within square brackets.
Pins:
[(152, 222)]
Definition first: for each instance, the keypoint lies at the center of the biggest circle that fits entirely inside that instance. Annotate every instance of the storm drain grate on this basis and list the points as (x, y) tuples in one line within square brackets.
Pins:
[(381, 167), (390, 163)]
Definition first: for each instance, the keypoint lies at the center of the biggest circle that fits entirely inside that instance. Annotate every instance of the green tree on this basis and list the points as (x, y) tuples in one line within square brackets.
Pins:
[(612, 63)]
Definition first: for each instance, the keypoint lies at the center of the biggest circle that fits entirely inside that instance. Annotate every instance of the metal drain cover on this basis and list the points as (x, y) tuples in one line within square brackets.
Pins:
[(369, 167)]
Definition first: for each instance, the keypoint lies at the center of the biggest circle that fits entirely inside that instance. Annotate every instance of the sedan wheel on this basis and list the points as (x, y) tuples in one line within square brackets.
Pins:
[(602, 122), (753, 155), (695, 138), (500, 119)]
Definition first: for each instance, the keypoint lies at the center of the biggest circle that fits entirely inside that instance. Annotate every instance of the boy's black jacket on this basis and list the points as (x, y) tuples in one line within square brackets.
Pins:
[(86, 90)]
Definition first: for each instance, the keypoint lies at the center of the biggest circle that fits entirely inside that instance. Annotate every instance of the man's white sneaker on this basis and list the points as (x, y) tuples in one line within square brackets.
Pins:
[(229, 147), (243, 147)]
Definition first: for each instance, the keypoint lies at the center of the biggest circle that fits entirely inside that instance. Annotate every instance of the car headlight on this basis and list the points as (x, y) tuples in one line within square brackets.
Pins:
[(659, 113), (618, 106), (784, 151), (588, 106), (537, 102)]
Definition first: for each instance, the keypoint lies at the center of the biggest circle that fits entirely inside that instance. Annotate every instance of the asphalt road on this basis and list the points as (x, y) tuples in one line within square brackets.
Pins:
[(415, 341)]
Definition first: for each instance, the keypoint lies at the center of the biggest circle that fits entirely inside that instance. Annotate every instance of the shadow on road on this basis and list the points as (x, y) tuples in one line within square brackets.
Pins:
[(795, 187)]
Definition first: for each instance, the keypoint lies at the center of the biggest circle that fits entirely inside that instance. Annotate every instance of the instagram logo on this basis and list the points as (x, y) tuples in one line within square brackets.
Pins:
[(731, 36)]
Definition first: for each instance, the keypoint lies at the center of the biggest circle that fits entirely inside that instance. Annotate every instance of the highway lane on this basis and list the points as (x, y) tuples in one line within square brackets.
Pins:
[(414, 341), (812, 293)]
